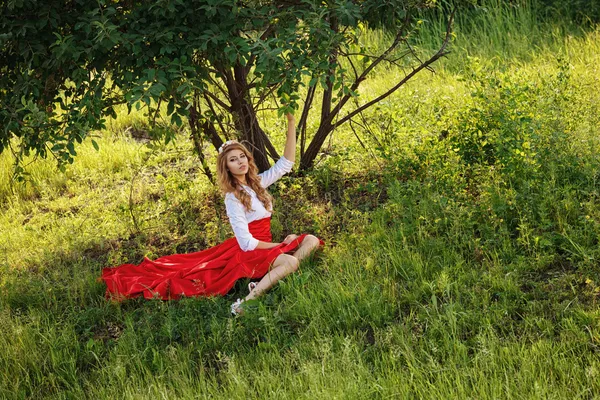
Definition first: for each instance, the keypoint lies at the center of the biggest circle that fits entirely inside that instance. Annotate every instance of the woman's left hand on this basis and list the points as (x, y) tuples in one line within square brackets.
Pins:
[(290, 238)]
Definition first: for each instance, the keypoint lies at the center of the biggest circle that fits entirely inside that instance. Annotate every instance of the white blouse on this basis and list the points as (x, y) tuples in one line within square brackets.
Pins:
[(239, 217)]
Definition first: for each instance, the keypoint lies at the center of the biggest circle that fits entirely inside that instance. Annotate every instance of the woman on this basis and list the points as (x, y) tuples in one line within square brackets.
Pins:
[(250, 254)]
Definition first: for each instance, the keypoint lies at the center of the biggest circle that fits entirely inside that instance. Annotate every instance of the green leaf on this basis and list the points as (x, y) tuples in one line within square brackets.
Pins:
[(71, 148), (151, 73), (176, 119)]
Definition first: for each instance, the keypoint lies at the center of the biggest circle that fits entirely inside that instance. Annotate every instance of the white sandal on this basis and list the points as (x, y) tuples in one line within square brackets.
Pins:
[(236, 307), (252, 286)]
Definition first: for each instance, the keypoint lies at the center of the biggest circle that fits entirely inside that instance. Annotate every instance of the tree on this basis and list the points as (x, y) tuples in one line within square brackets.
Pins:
[(65, 65)]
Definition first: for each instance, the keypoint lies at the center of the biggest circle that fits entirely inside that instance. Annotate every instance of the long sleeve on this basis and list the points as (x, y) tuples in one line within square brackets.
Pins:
[(281, 167), (239, 223)]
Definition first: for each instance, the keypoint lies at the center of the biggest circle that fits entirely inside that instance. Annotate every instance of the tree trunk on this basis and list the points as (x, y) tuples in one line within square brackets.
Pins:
[(211, 132), (307, 159), (328, 115), (304, 117), (247, 123), (197, 140), (325, 127), (245, 117)]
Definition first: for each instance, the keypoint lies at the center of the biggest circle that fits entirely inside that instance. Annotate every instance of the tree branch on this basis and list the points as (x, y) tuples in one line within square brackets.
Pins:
[(414, 53), (353, 68), (212, 108), (220, 102), (310, 95), (366, 127), (363, 75), (153, 123), (440, 53), (262, 97), (328, 91), (362, 144), (270, 29), (216, 83)]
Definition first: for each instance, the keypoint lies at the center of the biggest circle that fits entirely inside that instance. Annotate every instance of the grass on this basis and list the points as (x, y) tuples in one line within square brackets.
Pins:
[(462, 256)]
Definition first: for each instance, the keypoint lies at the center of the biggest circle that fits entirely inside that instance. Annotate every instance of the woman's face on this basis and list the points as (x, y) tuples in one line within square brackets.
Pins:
[(237, 162)]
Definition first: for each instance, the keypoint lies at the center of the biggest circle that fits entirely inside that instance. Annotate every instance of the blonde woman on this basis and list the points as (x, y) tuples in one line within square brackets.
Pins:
[(250, 254)]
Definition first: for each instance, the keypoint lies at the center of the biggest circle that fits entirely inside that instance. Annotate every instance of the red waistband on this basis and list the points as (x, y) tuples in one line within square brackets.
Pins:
[(261, 229)]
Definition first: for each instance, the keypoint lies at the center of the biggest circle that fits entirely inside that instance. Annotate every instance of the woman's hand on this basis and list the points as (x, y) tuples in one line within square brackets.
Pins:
[(266, 245), (290, 238)]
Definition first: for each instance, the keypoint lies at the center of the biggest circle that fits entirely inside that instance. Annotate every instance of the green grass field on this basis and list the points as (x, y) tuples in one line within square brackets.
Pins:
[(462, 257)]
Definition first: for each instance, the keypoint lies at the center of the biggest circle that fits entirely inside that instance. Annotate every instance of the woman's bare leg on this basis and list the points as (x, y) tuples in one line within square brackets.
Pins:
[(283, 265), (308, 245)]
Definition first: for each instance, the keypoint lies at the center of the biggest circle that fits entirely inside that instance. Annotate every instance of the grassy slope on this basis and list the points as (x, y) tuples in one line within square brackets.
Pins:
[(442, 279)]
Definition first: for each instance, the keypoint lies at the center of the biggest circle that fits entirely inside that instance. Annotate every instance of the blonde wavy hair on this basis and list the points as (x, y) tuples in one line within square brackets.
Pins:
[(228, 183)]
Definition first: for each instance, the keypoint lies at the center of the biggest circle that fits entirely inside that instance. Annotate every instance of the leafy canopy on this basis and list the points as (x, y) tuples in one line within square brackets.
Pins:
[(65, 65)]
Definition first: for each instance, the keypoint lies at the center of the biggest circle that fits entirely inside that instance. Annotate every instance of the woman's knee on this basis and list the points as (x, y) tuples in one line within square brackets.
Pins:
[(312, 241), (293, 263), (290, 262)]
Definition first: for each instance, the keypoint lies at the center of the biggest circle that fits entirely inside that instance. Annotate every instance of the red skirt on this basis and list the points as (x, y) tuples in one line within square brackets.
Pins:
[(205, 273)]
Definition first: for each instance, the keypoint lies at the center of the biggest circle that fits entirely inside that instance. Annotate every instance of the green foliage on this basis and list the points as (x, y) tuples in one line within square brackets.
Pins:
[(65, 66), (500, 127)]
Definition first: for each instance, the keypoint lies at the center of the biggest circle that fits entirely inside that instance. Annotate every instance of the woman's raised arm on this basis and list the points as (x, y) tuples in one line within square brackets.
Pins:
[(285, 163), (290, 143)]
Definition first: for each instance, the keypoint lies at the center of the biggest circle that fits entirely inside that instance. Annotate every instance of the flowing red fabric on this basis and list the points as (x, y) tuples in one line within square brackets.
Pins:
[(205, 273)]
